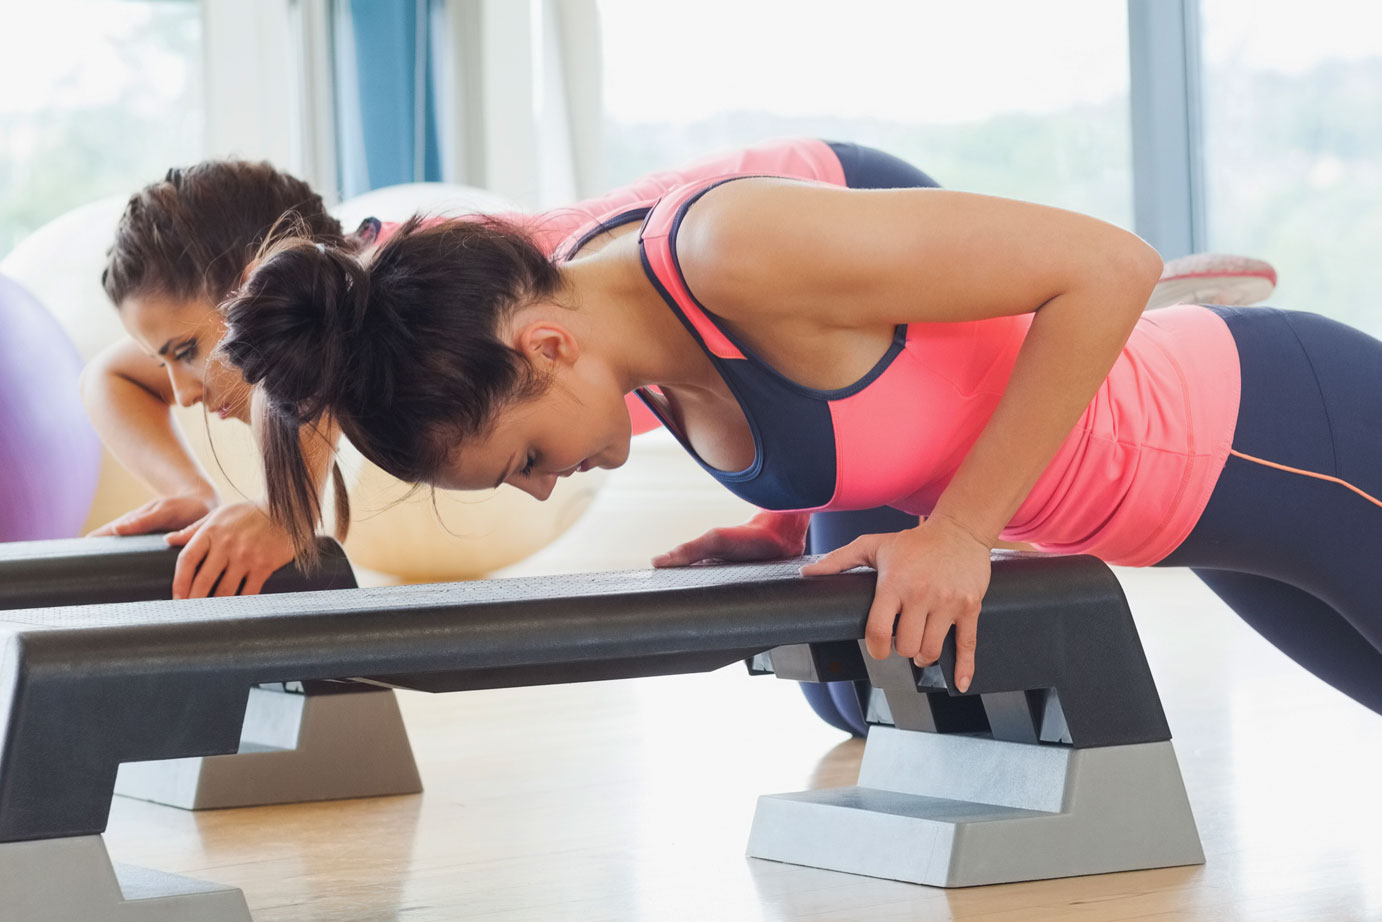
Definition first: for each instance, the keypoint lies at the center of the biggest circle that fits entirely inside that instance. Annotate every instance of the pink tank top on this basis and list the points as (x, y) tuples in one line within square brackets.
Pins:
[(1132, 478), (1127, 485)]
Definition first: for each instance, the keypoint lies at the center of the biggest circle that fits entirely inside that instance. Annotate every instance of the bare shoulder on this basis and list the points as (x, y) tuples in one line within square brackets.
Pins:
[(719, 242), (126, 359), (836, 256)]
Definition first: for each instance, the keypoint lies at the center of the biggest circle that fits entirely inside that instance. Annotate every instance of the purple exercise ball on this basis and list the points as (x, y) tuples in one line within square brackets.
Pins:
[(50, 457)]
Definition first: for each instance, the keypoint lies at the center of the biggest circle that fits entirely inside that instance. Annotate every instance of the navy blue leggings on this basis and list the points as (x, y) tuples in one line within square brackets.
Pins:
[(1295, 556), (837, 703)]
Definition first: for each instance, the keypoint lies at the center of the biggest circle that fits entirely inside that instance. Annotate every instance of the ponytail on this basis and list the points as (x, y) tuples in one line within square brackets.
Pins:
[(399, 348)]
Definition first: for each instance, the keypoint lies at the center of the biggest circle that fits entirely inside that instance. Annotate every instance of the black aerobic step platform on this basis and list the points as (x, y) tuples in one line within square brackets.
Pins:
[(300, 741), (85, 688)]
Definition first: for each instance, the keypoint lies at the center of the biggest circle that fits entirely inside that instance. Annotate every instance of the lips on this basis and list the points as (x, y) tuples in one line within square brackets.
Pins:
[(581, 468)]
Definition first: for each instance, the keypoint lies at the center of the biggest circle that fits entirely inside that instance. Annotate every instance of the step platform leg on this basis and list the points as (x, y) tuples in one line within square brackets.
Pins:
[(294, 748), (962, 811), (73, 880)]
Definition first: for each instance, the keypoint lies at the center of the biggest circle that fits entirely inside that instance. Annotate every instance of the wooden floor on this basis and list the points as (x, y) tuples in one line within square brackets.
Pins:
[(632, 801)]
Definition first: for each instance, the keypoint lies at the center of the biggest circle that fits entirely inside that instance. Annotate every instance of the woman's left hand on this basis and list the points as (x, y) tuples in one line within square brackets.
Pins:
[(929, 578)]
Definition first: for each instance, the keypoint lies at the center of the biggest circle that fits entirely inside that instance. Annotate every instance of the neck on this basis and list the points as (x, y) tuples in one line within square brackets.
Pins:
[(628, 325)]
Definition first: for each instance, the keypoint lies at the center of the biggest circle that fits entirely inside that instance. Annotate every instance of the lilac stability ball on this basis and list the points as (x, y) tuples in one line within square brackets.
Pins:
[(49, 454)]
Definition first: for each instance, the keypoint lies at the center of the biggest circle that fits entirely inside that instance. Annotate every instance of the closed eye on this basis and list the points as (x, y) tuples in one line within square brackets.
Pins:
[(185, 352)]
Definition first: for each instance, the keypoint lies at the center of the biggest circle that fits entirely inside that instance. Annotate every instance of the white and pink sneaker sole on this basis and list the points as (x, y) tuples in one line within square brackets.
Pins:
[(1214, 278)]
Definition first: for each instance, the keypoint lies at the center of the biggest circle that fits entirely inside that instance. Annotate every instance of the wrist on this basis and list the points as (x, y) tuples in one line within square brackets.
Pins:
[(205, 494), (789, 528), (791, 525), (951, 521)]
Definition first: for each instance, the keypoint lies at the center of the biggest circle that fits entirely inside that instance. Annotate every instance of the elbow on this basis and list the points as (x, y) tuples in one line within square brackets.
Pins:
[(95, 386), (1147, 260), (1133, 267), (1138, 263), (95, 383)]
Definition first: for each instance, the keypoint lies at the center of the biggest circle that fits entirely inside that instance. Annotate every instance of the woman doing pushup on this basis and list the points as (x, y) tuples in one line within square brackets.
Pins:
[(980, 362)]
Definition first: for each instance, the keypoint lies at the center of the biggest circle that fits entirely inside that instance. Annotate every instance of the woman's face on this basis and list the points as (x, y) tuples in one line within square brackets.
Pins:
[(181, 335), (573, 427)]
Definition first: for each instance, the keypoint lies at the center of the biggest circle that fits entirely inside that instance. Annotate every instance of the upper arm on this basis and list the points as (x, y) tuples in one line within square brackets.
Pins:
[(126, 359), (895, 255)]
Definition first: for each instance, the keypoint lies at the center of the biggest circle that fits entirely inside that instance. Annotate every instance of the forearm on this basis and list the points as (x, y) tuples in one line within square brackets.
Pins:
[(1072, 344), (138, 429)]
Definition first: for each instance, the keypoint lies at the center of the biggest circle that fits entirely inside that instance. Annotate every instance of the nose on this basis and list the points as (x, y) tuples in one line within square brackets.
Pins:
[(187, 390), (539, 488)]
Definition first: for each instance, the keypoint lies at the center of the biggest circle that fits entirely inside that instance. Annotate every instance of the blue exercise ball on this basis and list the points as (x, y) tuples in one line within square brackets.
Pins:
[(49, 454)]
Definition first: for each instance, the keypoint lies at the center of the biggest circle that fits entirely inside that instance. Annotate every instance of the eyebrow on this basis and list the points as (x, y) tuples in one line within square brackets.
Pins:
[(504, 474)]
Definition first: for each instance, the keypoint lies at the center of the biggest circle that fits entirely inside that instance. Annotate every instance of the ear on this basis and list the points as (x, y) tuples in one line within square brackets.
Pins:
[(545, 341)]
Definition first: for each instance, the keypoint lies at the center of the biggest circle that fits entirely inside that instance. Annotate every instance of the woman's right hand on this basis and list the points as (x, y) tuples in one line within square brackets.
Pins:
[(166, 513), (766, 536), (233, 550)]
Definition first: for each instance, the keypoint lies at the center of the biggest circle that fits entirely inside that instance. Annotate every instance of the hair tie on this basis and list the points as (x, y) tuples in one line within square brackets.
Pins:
[(321, 248)]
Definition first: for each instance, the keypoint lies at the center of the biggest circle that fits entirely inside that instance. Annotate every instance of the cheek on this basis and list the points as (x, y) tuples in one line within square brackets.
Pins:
[(224, 373)]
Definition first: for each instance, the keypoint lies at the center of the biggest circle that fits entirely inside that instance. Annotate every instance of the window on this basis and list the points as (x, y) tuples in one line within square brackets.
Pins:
[(103, 97), (1293, 147), (1004, 97)]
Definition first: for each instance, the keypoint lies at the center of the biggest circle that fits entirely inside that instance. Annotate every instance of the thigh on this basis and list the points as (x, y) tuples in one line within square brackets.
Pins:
[(830, 530), (1347, 365), (1306, 628), (1311, 398), (1311, 534), (1298, 500)]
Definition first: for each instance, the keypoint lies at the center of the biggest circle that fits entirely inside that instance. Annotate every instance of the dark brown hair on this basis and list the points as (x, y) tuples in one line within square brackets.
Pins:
[(192, 234), (400, 348)]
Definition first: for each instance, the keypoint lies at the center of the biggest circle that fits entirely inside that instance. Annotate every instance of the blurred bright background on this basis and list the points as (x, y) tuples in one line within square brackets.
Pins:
[(1242, 126), (544, 101)]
